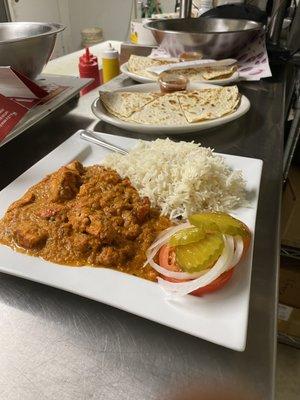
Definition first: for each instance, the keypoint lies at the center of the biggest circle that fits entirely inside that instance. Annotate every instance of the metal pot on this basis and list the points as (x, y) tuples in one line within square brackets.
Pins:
[(27, 46), (214, 37)]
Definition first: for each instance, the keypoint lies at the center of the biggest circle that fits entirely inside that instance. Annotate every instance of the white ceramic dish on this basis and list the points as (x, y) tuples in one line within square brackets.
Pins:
[(142, 79), (221, 317), (100, 111)]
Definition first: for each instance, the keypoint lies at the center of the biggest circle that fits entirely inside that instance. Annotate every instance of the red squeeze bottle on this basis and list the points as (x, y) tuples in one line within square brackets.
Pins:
[(88, 68)]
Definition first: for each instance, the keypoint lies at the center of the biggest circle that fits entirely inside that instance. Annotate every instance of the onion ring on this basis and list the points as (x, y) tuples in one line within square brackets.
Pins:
[(239, 248), (172, 274), (223, 263)]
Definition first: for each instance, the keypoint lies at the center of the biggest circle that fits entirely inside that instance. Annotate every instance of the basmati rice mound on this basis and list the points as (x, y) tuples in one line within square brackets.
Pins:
[(181, 178)]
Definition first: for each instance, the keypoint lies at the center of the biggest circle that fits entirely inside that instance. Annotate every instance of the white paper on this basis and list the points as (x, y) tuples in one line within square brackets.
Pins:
[(254, 62), (12, 86)]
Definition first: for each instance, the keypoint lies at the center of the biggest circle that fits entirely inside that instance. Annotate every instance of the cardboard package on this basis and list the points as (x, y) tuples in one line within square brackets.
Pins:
[(290, 214), (289, 322), (289, 301), (289, 282)]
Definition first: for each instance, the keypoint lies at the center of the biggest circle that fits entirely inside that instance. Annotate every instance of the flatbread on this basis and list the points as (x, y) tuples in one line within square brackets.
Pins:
[(123, 104), (206, 104), (165, 110), (211, 73), (147, 74), (178, 108), (139, 64)]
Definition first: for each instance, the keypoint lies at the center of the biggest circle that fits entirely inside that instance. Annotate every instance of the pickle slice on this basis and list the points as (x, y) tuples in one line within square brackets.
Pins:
[(187, 236), (219, 222), (200, 255)]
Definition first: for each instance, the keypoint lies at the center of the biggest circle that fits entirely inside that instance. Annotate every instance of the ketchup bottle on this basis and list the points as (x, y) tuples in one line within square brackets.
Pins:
[(88, 68)]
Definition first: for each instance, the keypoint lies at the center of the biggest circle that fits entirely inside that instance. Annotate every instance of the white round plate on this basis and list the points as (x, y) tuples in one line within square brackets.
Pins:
[(141, 79), (100, 111)]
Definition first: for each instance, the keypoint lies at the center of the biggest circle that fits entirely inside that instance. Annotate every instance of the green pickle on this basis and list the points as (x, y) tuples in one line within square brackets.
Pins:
[(200, 255), (187, 236), (219, 222)]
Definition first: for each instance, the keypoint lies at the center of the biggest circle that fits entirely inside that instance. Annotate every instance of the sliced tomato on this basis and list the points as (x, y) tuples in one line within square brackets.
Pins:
[(214, 285), (166, 259)]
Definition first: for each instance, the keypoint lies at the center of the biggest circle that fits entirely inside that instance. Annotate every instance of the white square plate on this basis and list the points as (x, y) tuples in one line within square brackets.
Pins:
[(221, 317)]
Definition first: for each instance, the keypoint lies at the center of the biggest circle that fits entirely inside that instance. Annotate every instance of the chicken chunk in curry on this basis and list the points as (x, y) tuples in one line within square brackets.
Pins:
[(84, 216)]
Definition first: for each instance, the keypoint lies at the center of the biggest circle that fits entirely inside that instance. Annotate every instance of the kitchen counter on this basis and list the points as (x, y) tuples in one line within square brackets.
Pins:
[(68, 64), (56, 345)]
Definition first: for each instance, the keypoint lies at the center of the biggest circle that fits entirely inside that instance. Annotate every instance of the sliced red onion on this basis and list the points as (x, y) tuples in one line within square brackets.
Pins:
[(223, 263), (232, 252), (156, 246)]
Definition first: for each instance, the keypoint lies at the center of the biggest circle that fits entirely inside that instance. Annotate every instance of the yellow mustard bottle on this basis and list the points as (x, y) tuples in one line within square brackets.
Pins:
[(110, 63)]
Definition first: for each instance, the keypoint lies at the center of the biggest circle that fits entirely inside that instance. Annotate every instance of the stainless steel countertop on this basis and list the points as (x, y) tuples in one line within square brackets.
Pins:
[(55, 345)]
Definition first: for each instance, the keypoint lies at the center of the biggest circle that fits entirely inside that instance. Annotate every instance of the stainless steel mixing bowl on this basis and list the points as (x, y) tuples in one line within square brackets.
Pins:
[(27, 46), (213, 37)]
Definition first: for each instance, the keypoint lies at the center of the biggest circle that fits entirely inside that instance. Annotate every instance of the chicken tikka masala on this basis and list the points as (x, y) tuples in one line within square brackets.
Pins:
[(84, 216)]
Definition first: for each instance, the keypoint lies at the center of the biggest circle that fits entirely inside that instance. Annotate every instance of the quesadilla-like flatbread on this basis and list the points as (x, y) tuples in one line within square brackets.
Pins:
[(211, 73), (123, 104), (165, 110), (205, 104), (147, 74), (139, 63), (178, 108)]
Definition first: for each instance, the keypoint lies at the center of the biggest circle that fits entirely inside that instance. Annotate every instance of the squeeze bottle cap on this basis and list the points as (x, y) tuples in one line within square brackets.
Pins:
[(87, 58), (110, 52)]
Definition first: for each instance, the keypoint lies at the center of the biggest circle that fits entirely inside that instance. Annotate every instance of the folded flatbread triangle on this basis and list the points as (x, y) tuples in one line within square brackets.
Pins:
[(124, 104), (206, 104), (211, 73)]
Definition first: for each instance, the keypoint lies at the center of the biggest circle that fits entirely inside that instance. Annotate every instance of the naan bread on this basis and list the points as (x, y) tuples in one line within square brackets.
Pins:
[(123, 104), (165, 110), (205, 104)]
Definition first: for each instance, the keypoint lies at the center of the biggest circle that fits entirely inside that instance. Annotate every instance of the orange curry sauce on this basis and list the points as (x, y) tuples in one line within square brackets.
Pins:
[(84, 216)]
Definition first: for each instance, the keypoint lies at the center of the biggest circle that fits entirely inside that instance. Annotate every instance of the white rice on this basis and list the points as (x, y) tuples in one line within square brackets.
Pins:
[(181, 178)]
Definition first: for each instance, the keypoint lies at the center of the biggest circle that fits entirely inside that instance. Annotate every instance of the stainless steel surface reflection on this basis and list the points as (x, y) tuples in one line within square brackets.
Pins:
[(55, 345), (213, 37), (27, 46)]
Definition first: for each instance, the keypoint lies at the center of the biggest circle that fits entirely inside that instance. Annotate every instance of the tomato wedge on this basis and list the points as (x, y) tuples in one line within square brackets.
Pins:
[(166, 259)]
